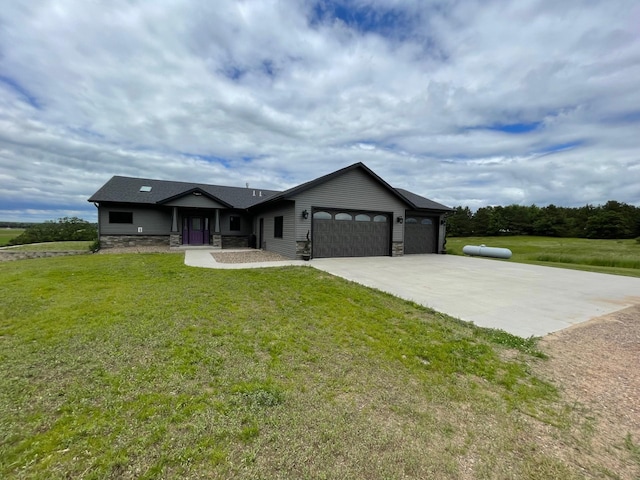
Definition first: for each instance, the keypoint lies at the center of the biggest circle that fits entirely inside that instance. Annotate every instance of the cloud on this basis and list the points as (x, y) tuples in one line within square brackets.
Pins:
[(469, 102)]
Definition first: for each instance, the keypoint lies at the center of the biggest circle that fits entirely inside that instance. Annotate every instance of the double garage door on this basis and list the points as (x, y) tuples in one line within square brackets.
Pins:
[(346, 233)]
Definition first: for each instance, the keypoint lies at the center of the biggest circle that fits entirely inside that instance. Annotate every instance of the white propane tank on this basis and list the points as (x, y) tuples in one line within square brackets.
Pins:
[(484, 251)]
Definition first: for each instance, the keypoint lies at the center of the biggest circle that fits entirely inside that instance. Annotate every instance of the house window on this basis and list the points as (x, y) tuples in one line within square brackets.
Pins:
[(380, 218), (411, 220), (363, 218), (426, 221), (278, 223), (322, 216), (120, 217), (234, 223), (343, 216)]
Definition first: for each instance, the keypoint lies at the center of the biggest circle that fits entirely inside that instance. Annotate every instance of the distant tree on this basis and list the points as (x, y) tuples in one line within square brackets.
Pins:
[(63, 229), (550, 222), (460, 223), (481, 222), (520, 219), (611, 220)]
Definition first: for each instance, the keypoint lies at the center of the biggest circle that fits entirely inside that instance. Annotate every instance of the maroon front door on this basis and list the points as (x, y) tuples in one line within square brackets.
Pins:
[(195, 231)]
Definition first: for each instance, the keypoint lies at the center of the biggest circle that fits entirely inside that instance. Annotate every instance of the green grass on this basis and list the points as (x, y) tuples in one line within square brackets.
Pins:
[(6, 234), (54, 246), (136, 366), (620, 257)]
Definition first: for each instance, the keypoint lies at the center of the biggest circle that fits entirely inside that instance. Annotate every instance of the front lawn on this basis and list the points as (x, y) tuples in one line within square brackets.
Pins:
[(136, 366)]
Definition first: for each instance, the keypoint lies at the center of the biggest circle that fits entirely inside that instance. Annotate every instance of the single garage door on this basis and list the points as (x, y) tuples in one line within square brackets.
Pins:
[(419, 235), (342, 233)]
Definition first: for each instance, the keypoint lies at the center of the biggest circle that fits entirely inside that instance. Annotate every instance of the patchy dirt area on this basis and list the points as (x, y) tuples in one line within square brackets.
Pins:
[(596, 365), (247, 256), (220, 256)]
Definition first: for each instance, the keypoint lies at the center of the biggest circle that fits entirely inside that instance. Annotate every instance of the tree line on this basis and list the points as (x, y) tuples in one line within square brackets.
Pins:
[(61, 230), (611, 220)]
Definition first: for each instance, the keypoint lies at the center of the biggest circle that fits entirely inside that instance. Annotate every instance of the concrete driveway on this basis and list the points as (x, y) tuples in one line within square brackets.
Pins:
[(526, 300)]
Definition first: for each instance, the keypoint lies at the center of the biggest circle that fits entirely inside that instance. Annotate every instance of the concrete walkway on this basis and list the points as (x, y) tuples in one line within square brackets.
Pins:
[(526, 300)]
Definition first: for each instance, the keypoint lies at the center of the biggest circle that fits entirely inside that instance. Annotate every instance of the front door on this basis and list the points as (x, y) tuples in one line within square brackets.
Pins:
[(195, 231)]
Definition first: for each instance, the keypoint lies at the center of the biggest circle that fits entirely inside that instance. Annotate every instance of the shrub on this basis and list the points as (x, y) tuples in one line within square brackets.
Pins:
[(62, 230)]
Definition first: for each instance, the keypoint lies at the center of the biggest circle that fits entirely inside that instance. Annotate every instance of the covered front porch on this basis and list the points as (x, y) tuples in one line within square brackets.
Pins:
[(212, 227)]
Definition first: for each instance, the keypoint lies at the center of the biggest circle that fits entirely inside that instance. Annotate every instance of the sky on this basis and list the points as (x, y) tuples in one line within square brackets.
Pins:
[(466, 102)]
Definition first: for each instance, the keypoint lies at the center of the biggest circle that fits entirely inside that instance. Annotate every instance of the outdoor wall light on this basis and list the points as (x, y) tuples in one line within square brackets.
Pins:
[(400, 219), (305, 214)]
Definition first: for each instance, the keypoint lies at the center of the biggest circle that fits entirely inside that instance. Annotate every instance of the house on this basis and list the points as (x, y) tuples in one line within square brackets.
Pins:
[(351, 212)]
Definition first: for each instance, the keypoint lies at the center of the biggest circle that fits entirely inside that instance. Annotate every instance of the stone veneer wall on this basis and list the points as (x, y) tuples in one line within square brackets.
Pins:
[(216, 240), (397, 249), (235, 241), (300, 248), (7, 256), (113, 241), (175, 240)]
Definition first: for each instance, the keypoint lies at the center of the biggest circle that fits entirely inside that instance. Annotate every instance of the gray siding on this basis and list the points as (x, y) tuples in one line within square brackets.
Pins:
[(152, 220), (286, 245), (194, 201), (354, 190)]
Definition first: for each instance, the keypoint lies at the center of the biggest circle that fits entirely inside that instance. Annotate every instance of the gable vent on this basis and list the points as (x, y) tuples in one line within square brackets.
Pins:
[(145, 188)]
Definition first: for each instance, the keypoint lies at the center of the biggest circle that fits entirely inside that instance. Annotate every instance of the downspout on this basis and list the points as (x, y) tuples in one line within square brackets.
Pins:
[(97, 205)]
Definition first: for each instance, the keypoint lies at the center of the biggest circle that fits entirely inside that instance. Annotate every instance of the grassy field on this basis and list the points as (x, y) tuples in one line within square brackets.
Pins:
[(54, 246), (7, 234), (620, 257), (136, 366)]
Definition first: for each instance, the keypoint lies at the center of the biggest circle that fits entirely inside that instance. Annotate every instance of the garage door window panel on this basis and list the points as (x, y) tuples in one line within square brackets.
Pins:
[(322, 216)]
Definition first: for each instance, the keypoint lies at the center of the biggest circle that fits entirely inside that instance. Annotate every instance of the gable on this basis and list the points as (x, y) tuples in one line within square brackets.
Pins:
[(194, 199), (354, 189)]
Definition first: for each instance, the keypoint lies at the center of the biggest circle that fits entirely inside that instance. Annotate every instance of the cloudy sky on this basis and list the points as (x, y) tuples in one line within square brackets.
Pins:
[(467, 102)]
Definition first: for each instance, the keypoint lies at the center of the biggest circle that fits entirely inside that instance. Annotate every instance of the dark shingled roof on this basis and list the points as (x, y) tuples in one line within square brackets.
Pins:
[(421, 202), (127, 190), (415, 201)]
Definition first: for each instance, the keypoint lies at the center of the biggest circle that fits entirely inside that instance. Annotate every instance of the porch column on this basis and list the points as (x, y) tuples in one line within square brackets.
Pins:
[(174, 220), (217, 221)]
